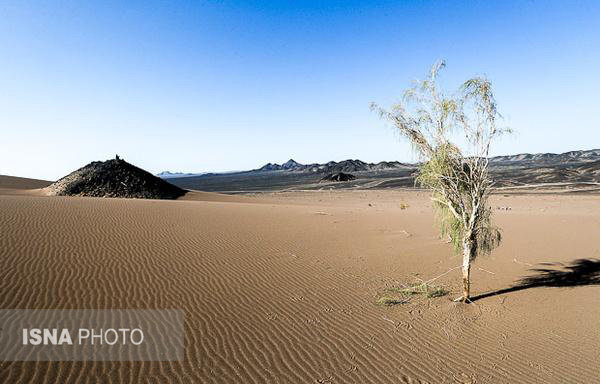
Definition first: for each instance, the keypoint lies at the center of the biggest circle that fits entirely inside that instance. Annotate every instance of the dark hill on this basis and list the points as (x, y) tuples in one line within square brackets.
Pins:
[(114, 178), (340, 176)]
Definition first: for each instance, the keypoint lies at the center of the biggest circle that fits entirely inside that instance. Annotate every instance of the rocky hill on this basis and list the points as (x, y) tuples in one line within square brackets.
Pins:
[(114, 178)]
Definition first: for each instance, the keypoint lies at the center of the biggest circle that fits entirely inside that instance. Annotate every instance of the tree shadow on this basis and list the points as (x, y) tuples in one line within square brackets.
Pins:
[(579, 273)]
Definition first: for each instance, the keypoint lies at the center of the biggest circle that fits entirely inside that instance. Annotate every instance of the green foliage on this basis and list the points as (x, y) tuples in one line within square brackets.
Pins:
[(450, 176), (445, 166), (487, 237), (444, 163), (450, 226)]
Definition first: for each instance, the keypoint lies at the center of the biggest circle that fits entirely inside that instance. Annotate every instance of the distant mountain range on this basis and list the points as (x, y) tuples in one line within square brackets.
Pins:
[(334, 167), (168, 174), (574, 168), (361, 166), (572, 156), (498, 163), (293, 166)]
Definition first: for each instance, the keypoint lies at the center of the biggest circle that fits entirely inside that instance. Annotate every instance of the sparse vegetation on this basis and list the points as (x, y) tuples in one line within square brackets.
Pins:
[(457, 174), (389, 301), (421, 288), (402, 295)]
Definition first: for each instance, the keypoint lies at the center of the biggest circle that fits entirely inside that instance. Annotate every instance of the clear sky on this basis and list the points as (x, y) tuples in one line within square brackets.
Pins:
[(230, 85)]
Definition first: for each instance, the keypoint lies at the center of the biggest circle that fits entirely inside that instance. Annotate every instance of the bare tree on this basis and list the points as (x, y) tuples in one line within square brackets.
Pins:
[(457, 174)]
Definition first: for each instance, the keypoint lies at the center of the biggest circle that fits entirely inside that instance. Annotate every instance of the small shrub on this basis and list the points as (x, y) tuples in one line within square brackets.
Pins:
[(425, 289), (403, 294), (389, 301)]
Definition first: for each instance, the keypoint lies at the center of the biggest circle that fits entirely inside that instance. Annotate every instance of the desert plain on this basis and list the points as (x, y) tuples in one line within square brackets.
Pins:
[(282, 287)]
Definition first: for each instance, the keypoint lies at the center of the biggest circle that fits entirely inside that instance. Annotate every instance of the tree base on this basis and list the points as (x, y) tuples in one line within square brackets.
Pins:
[(462, 299)]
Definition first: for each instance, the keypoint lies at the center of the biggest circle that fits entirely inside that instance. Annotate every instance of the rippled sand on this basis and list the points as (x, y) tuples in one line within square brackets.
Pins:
[(281, 288)]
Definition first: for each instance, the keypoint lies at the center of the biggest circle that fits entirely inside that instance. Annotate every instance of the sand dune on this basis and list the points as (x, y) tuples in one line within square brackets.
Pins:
[(280, 288), (217, 197), (13, 182)]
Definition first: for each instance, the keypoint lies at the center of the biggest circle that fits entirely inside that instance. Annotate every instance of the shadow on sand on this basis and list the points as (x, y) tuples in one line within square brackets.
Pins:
[(579, 273)]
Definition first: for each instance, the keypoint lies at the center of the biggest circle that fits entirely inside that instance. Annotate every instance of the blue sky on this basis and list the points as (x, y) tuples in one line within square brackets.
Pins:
[(229, 85)]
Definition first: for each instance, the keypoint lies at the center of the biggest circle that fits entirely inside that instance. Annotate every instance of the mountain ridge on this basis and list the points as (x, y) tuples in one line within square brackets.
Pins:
[(350, 165), (568, 170), (355, 165)]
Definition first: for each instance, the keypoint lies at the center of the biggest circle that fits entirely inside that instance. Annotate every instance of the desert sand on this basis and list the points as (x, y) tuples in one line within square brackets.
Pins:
[(282, 287), (21, 184)]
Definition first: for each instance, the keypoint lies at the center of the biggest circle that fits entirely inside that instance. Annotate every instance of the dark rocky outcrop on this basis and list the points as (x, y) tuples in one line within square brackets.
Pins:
[(291, 164), (114, 178), (270, 167), (340, 176)]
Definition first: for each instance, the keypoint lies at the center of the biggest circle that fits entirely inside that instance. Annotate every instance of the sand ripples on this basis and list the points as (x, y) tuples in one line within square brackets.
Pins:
[(266, 295)]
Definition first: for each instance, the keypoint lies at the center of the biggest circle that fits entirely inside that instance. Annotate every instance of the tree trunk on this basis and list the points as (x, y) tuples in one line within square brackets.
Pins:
[(468, 248)]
